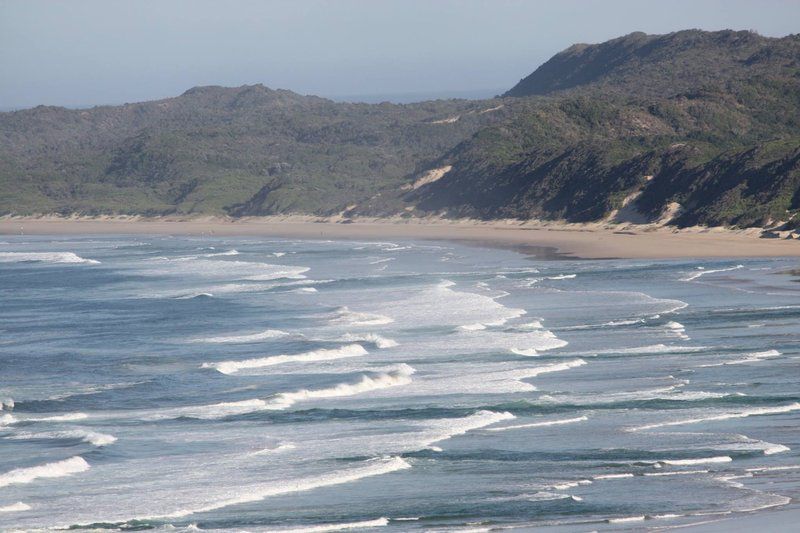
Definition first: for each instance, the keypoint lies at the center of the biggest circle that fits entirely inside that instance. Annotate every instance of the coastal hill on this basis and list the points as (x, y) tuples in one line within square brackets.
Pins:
[(688, 128), (663, 65)]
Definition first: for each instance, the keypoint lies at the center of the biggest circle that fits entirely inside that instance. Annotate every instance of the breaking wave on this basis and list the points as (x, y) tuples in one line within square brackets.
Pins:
[(92, 437), (15, 507), (703, 272), (374, 467), (231, 367), (723, 416), (45, 257), (541, 424), (67, 467), (344, 315), (377, 340), (241, 339)]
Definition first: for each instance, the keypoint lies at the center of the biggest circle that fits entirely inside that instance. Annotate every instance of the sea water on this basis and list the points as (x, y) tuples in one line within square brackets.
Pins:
[(266, 384)]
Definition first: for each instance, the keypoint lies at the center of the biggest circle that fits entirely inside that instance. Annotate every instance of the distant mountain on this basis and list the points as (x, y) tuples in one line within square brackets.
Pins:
[(687, 128)]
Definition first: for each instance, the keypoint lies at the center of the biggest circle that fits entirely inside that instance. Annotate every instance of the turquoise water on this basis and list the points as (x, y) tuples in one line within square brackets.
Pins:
[(182, 383)]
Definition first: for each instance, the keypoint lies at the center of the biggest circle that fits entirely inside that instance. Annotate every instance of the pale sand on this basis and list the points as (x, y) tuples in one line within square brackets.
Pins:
[(579, 240)]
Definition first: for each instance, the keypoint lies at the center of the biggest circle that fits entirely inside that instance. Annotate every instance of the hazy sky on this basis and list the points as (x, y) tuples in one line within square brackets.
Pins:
[(83, 52)]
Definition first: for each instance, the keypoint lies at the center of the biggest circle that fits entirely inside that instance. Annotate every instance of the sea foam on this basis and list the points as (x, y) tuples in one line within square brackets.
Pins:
[(45, 257), (374, 467), (15, 508), (377, 340), (400, 375), (67, 467), (241, 339), (542, 424), (231, 367), (344, 315), (378, 522), (92, 437), (695, 275), (723, 416)]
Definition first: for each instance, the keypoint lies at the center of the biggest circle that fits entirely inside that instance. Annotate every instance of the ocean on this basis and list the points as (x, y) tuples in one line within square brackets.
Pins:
[(180, 383)]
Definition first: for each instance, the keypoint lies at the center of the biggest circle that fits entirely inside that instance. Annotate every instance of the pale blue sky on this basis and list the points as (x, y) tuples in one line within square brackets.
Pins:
[(83, 52)]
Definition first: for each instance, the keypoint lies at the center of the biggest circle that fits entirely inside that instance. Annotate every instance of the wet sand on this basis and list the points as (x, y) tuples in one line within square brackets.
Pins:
[(590, 241)]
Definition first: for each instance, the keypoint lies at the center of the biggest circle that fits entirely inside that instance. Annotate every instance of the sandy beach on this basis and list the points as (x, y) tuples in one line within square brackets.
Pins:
[(590, 241)]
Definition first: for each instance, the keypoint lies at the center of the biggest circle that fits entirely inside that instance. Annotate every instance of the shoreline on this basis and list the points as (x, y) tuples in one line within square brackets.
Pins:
[(549, 239)]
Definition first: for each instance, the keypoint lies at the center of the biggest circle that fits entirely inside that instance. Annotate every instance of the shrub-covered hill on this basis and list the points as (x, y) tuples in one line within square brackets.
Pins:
[(697, 127)]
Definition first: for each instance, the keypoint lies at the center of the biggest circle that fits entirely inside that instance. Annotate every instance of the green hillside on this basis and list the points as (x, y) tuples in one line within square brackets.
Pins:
[(707, 120)]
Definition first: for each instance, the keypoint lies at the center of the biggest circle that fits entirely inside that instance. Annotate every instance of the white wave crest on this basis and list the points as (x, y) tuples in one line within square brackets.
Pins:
[(472, 327), (67, 467), (723, 416), (241, 339), (401, 375), (651, 349), (753, 357), (377, 340), (528, 352), (210, 412), (374, 467), (227, 252), (231, 367), (677, 473), (612, 476), (15, 508), (444, 429), (542, 424), (378, 522), (700, 461), (536, 324), (626, 519), (555, 367), (344, 315), (279, 448), (92, 437), (703, 272), (69, 417), (45, 257)]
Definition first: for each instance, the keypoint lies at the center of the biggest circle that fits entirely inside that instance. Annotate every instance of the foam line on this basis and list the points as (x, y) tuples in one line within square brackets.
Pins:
[(232, 367), (67, 467)]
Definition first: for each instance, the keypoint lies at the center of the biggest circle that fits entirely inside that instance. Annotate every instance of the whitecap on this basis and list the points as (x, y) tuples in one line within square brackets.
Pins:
[(344, 315), (676, 473), (231, 367), (626, 519), (753, 357), (92, 437), (15, 508), (723, 416), (372, 468), (400, 375), (612, 476), (45, 257), (529, 352), (699, 461), (67, 467), (542, 424), (245, 338), (321, 528), (377, 340), (703, 272)]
